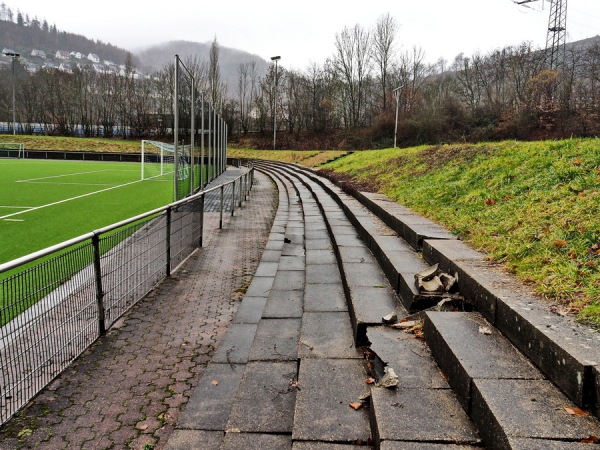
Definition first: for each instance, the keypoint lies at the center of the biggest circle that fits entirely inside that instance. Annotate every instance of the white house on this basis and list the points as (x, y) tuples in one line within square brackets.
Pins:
[(38, 53), (93, 58), (62, 54), (76, 55)]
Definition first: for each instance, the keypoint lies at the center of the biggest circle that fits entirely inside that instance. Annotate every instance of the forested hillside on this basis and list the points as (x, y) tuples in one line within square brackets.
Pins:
[(23, 38)]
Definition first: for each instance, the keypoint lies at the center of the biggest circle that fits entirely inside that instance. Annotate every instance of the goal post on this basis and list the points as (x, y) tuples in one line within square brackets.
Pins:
[(12, 150), (163, 162)]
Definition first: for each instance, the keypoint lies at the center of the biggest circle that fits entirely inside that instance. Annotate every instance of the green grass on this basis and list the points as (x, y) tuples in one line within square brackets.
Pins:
[(59, 184), (74, 144), (308, 158), (533, 206)]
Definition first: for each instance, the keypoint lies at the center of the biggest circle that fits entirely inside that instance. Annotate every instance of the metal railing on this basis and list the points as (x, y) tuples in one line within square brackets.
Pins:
[(55, 303)]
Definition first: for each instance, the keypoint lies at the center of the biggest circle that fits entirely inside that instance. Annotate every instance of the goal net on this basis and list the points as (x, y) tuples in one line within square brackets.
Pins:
[(160, 162), (12, 150)]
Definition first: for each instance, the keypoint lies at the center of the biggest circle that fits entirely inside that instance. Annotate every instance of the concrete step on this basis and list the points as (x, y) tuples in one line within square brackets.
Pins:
[(566, 352), (508, 398), (423, 409)]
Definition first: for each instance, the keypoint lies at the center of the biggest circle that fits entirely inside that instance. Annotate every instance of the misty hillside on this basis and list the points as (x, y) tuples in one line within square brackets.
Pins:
[(584, 43), (156, 57)]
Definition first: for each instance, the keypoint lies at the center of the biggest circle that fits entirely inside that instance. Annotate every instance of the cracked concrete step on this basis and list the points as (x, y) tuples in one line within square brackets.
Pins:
[(566, 352), (423, 410), (498, 387)]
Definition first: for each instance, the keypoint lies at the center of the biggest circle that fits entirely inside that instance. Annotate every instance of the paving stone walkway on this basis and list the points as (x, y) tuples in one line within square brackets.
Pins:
[(128, 389)]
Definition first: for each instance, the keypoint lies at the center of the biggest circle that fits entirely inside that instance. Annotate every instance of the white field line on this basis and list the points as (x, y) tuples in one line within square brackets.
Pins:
[(69, 199), (61, 184), (61, 176), (13, 220)]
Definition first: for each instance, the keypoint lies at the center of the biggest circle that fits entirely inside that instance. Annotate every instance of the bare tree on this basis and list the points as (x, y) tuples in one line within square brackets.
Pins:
[(384, 36), (352, 63), (216, 88)]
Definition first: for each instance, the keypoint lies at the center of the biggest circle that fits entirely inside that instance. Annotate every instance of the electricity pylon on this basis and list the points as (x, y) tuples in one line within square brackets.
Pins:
[(557, 32)]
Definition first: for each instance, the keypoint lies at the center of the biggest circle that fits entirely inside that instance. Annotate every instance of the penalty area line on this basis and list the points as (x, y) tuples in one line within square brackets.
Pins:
[(68, 199)]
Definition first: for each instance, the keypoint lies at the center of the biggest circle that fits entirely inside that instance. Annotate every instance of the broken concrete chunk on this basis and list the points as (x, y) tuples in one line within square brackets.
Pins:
[(432, 285), (428, 273), (389, 379), (432, 281), (390, 318)]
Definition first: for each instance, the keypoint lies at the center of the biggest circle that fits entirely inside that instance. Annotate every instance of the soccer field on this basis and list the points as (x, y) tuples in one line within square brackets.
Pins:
[(45, 202)]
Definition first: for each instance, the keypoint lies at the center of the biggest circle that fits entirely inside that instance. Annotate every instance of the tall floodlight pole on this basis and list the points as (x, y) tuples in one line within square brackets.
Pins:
[(275, 58), (14, 56), (202, 165), (397, 95)]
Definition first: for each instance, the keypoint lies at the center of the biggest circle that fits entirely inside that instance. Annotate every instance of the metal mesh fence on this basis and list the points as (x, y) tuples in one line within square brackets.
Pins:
[(55, 303), (48, 318)]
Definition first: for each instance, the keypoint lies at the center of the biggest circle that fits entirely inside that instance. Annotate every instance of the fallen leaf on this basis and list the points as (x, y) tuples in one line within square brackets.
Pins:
[(574, 411), (370, 381), (355, 405), (560, 244), (490, 201), (214, 382), (590, 440)]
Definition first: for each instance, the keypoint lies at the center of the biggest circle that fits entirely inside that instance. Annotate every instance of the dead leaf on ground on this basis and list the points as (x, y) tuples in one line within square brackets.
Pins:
[(560, 243), (355, 405), (214, 382), (574, 411), (370, 381), (590, 440)]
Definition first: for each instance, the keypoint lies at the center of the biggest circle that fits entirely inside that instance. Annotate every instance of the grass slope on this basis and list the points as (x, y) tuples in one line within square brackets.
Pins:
[(533, 206)]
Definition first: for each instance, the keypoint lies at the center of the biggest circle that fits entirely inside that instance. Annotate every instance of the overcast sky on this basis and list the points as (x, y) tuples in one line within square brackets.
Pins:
[(304, 31)]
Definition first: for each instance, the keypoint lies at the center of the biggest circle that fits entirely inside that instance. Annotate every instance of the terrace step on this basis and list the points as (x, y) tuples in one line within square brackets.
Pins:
[(498, 387)]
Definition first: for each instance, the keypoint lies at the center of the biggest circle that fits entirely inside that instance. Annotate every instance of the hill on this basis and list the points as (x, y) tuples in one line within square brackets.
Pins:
[(156, 57)]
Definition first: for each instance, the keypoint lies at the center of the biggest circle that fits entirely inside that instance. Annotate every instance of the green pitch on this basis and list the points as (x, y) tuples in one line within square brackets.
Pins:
[(45, 202)]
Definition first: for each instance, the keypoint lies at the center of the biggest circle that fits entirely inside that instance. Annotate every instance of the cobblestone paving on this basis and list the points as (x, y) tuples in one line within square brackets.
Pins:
[(128, 389)]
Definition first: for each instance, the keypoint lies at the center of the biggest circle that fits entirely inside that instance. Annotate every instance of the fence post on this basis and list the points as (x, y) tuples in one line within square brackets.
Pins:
[(222, 205), (233, 199), (247, 185), (201, 220), (99, 290), (168, 241), (240, 205)]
